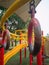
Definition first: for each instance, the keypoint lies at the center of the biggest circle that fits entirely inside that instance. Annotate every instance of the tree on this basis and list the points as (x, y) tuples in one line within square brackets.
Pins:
[(14, 21)]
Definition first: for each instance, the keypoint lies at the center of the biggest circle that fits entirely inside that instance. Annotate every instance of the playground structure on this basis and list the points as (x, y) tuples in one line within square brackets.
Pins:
[(20, 46), (17, 48), (33, 24)]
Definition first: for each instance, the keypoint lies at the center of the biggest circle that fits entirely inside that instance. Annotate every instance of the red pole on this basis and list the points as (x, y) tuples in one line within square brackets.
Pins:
[(1, 56), (25, 52), (1, 50), (39, 58), (20, 50), (42, 48), (20, 56), (31, 59)]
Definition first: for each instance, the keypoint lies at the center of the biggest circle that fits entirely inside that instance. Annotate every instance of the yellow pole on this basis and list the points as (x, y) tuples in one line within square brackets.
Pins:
[(17, 4)]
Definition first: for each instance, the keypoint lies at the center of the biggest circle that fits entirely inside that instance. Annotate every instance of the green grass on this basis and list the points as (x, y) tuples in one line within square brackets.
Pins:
[(47, 61), (25, 61), (16, 61)]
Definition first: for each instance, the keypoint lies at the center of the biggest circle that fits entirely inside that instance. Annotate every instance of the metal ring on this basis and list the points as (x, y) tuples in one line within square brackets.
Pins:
[(37, 31)]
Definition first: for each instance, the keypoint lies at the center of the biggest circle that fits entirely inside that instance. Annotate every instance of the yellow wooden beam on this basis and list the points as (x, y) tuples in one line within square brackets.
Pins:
[(14, 51), (17, 4)]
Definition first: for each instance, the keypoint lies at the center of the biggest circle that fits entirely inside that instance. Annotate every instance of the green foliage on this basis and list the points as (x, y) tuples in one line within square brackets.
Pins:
[(16, 22), (27, 22), (2, 10), (21, 23)]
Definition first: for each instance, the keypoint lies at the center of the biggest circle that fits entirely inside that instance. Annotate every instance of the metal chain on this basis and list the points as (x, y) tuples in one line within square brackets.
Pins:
[(32, 4)]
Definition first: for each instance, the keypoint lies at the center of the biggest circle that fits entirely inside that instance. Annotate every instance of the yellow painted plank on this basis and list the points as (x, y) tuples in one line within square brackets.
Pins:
[(15, 50)]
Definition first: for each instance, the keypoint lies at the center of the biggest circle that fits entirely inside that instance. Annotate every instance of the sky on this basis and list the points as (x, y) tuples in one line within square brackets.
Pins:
[(43, 15)]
